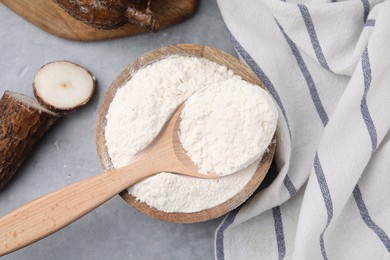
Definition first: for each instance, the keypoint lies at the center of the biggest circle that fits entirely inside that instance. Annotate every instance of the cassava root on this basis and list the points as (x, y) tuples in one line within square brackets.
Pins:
[(22, 122), (111, 14)]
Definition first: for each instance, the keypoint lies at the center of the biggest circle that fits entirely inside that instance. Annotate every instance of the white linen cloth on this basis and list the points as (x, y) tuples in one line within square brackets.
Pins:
[(327, 65)]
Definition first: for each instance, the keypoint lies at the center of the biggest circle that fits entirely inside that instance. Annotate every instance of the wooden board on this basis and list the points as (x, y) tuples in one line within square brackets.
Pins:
[(148, 58), (48, 16)]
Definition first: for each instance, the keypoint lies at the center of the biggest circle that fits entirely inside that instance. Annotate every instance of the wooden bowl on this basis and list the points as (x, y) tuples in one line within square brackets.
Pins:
[(211, 54)]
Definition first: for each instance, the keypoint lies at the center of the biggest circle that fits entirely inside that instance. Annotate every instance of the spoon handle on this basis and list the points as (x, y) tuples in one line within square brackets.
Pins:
[(49, 213)]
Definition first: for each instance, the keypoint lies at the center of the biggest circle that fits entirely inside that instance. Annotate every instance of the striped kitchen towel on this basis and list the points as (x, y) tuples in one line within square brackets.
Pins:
[(327, 66)]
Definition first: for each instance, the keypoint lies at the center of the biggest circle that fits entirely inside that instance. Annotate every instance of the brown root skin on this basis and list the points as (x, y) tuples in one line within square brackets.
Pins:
[(22, 123), (111, 14), (144, 18), (59, 110), (101, 14)]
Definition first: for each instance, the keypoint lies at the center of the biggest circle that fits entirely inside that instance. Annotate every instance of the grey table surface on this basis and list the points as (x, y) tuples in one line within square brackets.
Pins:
[(67, 153)]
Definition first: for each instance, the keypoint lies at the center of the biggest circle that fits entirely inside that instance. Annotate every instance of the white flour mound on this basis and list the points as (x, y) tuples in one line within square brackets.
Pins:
[(227, 126), (138, 112)]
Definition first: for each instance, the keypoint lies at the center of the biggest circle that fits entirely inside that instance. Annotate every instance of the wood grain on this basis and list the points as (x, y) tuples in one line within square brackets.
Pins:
[(209, 53), (48, 16)]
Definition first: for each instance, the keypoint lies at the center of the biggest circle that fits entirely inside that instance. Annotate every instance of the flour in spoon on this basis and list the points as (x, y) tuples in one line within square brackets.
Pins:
[(137, 113), (227, 126)]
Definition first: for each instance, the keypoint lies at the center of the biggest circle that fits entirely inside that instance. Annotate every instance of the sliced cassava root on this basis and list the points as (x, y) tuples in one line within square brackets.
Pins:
[(22, 122), (63, 86)]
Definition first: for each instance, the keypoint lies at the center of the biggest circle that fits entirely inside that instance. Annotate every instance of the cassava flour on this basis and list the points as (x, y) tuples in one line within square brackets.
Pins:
[(227, 126), (137, 113)]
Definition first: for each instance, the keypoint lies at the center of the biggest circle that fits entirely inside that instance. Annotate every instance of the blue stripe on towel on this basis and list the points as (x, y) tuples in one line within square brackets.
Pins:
[(366, 9), (306, 74), (327, 199), (313, 35), (366, 67), (219, 247), (289, 186), (370, 22), (367, 219), (278, 222)]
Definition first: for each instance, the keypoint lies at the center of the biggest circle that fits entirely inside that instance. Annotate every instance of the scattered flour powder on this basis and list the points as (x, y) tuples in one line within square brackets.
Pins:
[(227, 126), (137, 113)]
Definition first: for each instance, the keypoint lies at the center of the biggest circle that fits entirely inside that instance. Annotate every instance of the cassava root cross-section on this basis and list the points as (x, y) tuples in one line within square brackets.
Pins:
[(63, 86), (22, 122)]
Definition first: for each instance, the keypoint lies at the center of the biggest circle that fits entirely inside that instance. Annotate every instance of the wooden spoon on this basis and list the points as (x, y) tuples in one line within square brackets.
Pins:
[(58, 209)]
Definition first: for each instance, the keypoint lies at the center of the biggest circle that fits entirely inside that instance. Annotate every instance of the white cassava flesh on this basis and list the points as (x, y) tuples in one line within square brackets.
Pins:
[(63, 86)]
